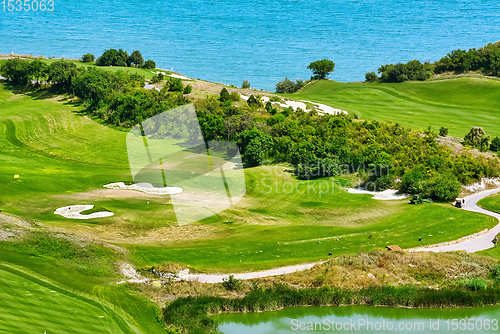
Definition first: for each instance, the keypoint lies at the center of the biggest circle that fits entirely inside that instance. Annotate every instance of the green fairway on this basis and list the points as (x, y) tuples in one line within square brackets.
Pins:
[(491, 203), (30, 305), (63, 158), (457, 104)]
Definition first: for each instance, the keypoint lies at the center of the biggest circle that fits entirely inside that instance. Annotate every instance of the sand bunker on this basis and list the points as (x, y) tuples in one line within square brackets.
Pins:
[(386, 195), (73, 212), (327, 109), (145, 188)]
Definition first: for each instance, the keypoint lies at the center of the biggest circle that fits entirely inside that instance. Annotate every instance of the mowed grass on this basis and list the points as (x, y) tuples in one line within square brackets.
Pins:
[(270, 228), (33, 280), (30, 305), (491, 203), (63, 158), (457, 104)]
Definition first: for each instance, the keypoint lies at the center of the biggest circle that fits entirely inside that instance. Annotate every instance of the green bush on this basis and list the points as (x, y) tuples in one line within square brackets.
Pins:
[(88, 58), (245, 84), (149, 64), (495, 144), (474, 284), (188, 89), (443, 132), (287, 86), (447, 187), (371, 76), (230, 283)]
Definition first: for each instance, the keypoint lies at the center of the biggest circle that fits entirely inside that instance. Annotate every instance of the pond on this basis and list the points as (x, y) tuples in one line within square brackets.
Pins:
[(363, 319)]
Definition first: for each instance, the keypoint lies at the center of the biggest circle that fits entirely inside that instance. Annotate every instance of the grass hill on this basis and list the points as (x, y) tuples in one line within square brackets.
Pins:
[(457, 103)]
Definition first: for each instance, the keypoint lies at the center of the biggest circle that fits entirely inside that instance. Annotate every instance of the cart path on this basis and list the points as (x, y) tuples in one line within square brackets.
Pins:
[(479, 243), (217, 278)]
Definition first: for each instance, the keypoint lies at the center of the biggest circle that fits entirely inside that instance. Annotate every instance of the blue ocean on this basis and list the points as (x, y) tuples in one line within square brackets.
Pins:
[(260, 41)]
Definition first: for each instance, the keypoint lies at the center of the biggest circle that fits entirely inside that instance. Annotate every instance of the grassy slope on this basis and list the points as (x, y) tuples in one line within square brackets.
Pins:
[(457, 104), (86, 297), (57, 152)]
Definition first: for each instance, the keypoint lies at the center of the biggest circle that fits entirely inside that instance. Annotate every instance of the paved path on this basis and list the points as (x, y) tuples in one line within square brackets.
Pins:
[(478, 243), (209, 278)]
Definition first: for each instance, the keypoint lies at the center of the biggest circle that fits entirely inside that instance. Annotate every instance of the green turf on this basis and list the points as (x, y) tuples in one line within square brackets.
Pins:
[(30, 305), (457, 104), (491, 203), (121, 306), (57, 152)]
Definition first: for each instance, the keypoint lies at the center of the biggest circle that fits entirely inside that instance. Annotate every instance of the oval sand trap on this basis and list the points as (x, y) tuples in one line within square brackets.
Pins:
[(73, 212), (386, 195)]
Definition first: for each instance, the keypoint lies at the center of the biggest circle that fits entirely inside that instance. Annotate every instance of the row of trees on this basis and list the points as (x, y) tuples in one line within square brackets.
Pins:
[(329, 145), (113, 57), (117, 98), (484, 60)]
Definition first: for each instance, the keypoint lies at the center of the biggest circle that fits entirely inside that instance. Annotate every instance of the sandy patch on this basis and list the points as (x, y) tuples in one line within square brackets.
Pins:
[(485, 184), (327, 109), (145, 188), (73, 212), (386, 195)]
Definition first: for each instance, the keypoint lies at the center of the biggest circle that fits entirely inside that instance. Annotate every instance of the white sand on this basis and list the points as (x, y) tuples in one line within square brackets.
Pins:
[(178, 76), (389, 194), (485, 183), (145, 188), (73, 212), (327, 109)]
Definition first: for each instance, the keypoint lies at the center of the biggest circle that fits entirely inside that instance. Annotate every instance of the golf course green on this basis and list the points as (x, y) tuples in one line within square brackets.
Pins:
[(454, 103)]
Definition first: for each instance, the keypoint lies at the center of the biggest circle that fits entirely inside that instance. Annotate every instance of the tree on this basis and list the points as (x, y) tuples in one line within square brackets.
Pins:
[(447, 187), (136, 58), (321, 68), (173, 85), (16, 70), (108, 58), (224, 95), (253, 153), (61, 73), (88, 58), (443, 132), (477, 138), (245, 84), (149, 64), (495, 144), (253, 102), (187, 89), (37, 69), (371, 76)]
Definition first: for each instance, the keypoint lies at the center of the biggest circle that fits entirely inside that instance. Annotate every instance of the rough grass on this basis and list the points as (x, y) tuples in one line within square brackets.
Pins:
[(457, 104)]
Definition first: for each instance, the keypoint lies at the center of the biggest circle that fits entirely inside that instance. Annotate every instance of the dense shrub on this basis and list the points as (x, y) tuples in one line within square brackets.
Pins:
[(477, 138), (287, 86), (188, 89), (88, 58), (446, 187), (443, 132), (371, 76), (245, 84), (230, 283), (495, 144), (149, 64), (412, 70)]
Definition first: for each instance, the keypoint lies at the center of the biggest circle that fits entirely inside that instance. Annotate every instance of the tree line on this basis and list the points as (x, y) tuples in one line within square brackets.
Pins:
[(485, 60), (121, 58), (117, 98)]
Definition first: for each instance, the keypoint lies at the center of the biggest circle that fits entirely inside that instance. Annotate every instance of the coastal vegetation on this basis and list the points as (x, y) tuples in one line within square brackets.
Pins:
[(62, 139), (485, 60)]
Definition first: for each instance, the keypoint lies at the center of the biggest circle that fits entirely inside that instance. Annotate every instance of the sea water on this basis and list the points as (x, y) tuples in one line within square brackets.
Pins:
[(260, 41)]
